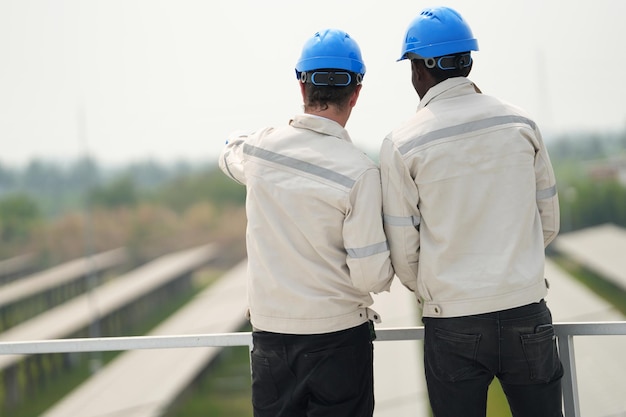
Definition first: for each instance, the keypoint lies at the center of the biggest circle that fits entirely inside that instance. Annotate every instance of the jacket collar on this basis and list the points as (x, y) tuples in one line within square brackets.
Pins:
[(320, 125), (452, 87)]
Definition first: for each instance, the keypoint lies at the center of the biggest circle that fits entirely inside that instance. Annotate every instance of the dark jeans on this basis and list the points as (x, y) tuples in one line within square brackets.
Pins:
[(462, 355), (319, 375)]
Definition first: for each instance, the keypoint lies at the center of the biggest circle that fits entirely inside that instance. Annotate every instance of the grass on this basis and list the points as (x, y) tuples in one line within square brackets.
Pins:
[(605, 289), (54, 389), (497, 405), (223, 389)]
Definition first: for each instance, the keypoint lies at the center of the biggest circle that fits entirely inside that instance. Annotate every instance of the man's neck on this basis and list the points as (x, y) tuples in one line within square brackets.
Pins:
[(332, 113)]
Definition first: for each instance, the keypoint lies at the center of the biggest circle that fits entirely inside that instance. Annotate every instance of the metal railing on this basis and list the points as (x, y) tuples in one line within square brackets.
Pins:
[(565, 333)]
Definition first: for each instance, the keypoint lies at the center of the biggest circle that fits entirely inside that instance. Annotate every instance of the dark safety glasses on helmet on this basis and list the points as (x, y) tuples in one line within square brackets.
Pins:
[(331, 78), (448, 62)]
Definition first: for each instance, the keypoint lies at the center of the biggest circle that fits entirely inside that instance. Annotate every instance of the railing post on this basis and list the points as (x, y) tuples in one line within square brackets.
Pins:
[(569, 382)]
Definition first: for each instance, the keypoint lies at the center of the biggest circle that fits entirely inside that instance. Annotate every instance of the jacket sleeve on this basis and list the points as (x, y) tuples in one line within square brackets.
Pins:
[(365, 242), (401, 215), (231, 160), (547, 195)]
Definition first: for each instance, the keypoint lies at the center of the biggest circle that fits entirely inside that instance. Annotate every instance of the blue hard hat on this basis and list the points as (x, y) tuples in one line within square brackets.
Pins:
[(438, 31), (331, 49)]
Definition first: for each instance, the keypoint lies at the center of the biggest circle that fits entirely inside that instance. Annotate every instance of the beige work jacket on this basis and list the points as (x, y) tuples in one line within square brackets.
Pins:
[(315, 240)]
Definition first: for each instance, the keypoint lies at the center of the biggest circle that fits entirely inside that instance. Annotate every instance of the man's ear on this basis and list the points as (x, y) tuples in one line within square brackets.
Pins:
[(468, 69), (302, 90), (418, 70), (355, 96)]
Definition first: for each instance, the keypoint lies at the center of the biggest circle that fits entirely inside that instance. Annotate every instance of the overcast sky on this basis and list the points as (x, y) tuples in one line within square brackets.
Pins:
[(171, 79)]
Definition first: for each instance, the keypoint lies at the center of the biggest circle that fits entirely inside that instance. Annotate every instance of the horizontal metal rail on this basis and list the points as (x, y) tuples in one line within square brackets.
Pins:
[(565, 333), (105, 344)]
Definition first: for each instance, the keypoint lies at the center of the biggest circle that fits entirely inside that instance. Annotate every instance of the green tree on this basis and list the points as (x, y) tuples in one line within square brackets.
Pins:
[(118, 193), (588, 203), (210, 186), (19, 213)]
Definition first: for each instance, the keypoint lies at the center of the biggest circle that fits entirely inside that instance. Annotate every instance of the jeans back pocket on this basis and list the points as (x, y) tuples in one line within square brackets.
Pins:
[(541, 355), (453, 355)]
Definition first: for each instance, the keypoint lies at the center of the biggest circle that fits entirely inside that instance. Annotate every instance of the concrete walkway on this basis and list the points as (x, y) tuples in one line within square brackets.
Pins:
[(600, 249)]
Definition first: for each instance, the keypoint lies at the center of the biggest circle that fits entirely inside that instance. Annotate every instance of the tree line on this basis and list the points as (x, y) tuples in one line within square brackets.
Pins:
[(586, 200), (57, 209), (43, 191)]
